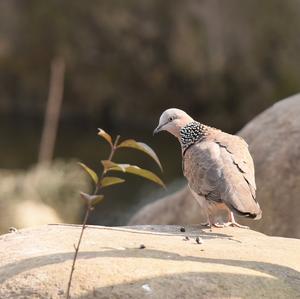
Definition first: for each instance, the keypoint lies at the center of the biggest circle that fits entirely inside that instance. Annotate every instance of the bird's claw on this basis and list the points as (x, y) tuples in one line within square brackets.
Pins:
[(213, 224), (206, 224), (222, 225), (235, 224), (218, 225)]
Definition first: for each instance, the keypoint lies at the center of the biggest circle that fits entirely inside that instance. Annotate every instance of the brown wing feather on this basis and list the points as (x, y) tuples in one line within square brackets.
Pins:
[(238, 148), (222, 170)]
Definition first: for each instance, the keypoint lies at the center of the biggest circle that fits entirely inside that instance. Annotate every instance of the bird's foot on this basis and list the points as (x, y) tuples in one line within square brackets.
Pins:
[(218, 225), (235, 224), (212, 224), (205, 224)]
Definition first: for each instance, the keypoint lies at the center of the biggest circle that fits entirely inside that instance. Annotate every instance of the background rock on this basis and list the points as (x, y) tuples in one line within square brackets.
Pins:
[(28, 213), (273, 137), (44, 194), (230, 263), (176, 208)]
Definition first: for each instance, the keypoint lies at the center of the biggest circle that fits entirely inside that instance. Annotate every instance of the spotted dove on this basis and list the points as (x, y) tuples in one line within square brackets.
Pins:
[(217, 165)]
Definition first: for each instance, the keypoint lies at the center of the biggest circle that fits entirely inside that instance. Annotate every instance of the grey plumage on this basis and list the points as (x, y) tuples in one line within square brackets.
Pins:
[(217, 165), (220, 169)]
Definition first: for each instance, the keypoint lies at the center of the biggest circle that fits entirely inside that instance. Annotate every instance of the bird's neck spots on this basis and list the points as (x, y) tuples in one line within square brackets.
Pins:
[(192, 133)]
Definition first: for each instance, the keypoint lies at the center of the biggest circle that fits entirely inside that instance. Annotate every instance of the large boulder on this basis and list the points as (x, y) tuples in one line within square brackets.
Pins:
[(228, 263), (176, 208), (273, 138)]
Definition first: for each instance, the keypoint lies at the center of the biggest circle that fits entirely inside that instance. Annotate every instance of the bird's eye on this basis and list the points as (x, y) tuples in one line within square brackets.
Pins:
[(170, 118)]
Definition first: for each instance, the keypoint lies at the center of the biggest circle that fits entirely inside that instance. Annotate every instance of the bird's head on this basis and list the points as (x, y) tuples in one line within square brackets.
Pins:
[(173, 120)]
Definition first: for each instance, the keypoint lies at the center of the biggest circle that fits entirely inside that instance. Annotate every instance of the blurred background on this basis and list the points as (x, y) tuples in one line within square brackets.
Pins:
[(117, 65)]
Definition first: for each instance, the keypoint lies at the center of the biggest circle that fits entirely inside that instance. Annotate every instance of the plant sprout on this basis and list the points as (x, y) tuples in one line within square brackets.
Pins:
[(105, 180)]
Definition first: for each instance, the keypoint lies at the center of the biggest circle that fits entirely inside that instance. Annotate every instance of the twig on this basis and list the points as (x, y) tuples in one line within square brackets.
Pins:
[(89, 208)]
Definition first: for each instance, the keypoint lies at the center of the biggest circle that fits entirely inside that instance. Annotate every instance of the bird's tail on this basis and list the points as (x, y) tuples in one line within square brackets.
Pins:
[(253, 215)]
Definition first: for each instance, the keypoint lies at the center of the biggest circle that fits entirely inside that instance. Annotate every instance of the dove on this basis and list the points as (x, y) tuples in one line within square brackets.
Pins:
[(217, 165)]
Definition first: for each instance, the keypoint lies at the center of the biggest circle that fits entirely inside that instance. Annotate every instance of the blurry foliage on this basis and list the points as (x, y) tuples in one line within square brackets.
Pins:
[(224, 61), (55, 186)]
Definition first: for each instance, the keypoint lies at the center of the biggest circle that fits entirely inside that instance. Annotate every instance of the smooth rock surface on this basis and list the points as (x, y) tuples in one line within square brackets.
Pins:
[(273, 137), (177, 208), (229, 263)]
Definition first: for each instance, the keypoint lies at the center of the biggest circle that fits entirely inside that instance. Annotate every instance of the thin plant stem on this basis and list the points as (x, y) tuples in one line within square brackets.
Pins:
[(87, 212), (89, 208)]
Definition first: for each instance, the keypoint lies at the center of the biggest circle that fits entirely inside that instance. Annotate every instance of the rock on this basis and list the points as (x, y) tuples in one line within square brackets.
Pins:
[(43, 194), (177, 208), (230, 263), (273, 137), (31, 213)]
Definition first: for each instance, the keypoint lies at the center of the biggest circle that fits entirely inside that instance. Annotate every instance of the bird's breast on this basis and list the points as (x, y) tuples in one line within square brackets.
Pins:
[(198, 161)]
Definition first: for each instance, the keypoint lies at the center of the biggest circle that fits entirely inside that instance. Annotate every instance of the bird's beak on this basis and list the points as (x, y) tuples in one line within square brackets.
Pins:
[(158, 129)]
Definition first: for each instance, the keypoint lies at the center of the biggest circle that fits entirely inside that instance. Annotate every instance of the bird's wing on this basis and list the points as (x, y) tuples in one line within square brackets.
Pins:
[(213, 171), (238, 148)]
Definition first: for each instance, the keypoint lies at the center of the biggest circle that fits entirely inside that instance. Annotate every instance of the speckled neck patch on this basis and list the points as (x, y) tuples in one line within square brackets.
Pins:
[(192, 133)]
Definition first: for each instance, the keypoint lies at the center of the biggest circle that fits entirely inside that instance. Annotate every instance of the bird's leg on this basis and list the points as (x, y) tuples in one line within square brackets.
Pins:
[(207, 208), (210, 221), (210, 224), (204, 206), (207, 223), (217, 224), (232, 221)]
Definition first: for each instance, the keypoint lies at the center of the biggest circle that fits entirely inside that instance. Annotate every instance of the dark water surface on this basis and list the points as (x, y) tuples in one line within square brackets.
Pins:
[(19, 145)]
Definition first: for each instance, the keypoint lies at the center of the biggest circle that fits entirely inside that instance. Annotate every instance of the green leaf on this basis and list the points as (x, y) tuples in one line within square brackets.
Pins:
[(106, 136), (107, 164), (111, 166), (91, 172), (96, 199), (110, 180), (91, 199), (143, 147)]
